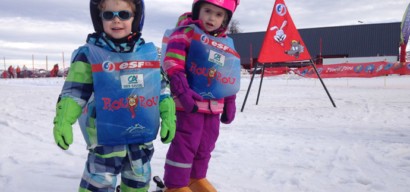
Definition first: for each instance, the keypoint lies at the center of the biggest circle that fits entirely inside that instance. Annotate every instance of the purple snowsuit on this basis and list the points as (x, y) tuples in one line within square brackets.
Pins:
[(190, 151), (198, 120)]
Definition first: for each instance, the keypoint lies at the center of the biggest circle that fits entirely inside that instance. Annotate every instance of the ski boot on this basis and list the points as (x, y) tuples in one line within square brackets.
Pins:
[(201, 185)]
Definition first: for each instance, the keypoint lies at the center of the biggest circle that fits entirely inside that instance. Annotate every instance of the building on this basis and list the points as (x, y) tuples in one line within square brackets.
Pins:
[(364, 42)]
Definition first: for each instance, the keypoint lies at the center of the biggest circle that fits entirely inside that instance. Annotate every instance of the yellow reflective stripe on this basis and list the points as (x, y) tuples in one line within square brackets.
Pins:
[(176, 164), (115, 154)]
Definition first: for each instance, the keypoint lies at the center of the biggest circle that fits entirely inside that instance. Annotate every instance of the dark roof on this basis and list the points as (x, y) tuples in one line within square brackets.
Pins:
[(362, 40)]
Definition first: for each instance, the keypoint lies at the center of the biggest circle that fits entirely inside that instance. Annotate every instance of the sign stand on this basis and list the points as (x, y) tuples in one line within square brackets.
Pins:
[(282, 43), (261, 81)]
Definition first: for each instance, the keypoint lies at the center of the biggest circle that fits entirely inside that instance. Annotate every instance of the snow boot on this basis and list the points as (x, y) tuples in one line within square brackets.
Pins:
[(182, 189), (201, 185)]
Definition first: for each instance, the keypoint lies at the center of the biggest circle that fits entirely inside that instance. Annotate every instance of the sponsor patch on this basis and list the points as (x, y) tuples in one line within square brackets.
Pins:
[(132, 81), (216, 58)]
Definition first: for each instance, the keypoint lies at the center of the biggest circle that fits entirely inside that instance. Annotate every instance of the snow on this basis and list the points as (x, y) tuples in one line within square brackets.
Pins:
[(294, 140)]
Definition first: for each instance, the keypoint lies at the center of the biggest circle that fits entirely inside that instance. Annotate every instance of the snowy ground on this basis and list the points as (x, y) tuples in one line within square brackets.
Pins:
[(294, 140)]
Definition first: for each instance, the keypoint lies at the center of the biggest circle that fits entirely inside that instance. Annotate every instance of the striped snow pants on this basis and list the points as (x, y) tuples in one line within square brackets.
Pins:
[(104, 163)]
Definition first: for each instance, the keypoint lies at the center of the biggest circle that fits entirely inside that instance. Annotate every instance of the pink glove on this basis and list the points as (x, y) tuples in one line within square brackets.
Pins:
[(180, 89), (228, 114)]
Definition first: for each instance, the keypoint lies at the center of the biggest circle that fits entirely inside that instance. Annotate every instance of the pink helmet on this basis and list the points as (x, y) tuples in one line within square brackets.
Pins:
[(229, 5)]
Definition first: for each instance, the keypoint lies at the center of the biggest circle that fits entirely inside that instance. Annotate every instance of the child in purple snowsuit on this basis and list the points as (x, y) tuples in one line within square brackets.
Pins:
[(204, 72)]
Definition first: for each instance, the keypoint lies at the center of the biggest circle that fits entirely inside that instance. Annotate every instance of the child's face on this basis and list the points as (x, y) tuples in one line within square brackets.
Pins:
[(211, 16), (117, 28)]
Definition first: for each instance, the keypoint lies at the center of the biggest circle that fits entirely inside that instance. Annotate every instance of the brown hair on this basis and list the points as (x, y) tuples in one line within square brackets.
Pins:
[(101, 6)]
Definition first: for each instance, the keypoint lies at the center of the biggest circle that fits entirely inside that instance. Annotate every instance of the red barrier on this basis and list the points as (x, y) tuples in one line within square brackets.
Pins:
[(276, 71), (371, 69)]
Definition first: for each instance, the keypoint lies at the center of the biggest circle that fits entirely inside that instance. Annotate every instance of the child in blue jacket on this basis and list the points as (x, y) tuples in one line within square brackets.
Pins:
[(115, 91)]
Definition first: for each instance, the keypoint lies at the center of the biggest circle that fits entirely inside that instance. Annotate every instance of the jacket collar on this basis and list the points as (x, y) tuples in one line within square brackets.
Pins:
[(125, 45)]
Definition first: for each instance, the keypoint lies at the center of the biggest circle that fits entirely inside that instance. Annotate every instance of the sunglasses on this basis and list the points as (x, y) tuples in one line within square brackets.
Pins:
[(122, 15)]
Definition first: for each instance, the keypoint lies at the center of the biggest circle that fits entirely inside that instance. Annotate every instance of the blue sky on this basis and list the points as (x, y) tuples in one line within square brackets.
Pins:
[(50, 28)]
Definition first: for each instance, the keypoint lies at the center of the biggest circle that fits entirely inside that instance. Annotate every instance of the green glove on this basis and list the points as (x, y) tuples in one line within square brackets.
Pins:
[(168, 123), (67, 112)]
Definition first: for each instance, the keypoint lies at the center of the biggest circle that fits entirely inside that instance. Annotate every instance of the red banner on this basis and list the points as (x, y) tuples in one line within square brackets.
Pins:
[(372, 69), (282, 40)]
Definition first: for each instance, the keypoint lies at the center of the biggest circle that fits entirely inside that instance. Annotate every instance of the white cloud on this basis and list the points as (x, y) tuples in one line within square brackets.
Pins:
[(19, 45), (39, 38)]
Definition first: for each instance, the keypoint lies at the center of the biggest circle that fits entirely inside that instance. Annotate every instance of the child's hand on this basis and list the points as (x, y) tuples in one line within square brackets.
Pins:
[(63, 134), (168, 123), (188, 101), (67, 113), (229, 111), (180, 89)]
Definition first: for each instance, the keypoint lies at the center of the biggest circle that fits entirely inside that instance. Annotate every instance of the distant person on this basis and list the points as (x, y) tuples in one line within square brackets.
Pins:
[(115, 91), (25, 71), (204, 72), (54, 71), (11, 71), (18, 72), (4, 75)]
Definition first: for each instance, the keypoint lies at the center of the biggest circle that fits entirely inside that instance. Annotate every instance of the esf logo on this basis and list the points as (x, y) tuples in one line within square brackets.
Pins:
[(132, 65), (280, 9), (204, 39), (108, 66), (219, 45)]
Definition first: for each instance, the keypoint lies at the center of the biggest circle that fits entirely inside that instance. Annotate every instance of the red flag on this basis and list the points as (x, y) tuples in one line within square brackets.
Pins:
[(282, 41), (405, 33), (405, 26)]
